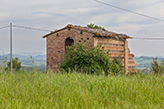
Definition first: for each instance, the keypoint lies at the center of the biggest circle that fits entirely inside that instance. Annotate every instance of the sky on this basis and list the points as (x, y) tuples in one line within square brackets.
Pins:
[(56, 14)]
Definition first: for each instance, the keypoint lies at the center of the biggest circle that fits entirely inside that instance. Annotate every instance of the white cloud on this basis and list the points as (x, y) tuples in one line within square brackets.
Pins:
[(54, 14)]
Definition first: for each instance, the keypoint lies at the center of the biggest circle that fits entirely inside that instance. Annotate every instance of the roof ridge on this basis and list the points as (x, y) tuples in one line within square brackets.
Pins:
[(97, 31)]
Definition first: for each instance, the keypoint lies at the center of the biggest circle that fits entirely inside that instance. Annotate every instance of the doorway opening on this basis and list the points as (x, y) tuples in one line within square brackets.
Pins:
[(68, 42)]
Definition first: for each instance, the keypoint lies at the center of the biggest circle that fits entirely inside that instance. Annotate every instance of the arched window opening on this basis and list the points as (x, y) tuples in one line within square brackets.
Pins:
[(68, 42)]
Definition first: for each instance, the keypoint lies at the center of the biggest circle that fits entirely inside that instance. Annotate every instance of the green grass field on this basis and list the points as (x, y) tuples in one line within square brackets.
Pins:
[(79, 91)]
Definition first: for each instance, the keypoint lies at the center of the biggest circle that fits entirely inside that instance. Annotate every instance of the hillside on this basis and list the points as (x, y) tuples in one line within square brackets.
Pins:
[(145, 61), (40, 60)]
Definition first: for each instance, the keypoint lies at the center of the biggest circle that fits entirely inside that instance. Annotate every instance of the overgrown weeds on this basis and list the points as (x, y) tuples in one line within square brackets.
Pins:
[(75, 90)]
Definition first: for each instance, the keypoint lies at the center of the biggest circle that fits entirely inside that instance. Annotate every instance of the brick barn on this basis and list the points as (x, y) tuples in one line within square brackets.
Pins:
[(58, 40)]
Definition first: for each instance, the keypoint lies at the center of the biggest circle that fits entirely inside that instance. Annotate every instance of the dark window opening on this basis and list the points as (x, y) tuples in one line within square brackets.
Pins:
[(58, 51), (81, 32), (68, 42), (87, 38), (51, 57), (57, 34), (79, 40), (69, 29)]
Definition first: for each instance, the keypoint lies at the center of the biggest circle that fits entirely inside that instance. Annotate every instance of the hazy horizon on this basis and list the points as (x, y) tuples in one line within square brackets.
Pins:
[(39, 53)]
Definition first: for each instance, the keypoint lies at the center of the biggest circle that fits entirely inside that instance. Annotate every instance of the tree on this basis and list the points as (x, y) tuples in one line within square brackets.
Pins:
[(157, 68), (15, 64), (82, 59), (94, 26)]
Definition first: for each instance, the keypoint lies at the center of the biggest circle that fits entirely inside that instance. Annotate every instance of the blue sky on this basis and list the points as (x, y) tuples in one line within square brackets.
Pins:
[(55, 14)]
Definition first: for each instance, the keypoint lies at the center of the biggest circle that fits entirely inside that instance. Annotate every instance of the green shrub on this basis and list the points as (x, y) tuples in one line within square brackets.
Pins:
[(157, 68), (82, 59), (94, 26), (15, 64)]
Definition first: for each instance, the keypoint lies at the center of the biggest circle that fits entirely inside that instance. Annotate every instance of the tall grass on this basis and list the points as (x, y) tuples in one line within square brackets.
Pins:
[(52, 91)]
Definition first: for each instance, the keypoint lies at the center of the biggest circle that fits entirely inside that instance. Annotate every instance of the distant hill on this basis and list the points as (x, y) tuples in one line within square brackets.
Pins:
[(145, 61), (40, 60)]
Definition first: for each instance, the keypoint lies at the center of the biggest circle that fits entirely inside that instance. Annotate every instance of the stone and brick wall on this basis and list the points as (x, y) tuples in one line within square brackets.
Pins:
[(117, 48), (56, 45), (131, 63)]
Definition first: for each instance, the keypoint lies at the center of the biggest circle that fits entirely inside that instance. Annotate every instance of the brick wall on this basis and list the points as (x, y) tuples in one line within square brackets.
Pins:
[(56, 45), (118, 48)]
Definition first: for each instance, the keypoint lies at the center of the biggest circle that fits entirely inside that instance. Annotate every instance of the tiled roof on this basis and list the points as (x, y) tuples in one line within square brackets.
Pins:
[(96, 32)]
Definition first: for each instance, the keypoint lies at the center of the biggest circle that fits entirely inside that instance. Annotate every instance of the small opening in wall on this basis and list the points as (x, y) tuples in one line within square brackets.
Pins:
[(79, 40), (57, 34), (87, 38), (69, 29), (58, 51), (81, 32), (68, 42), (51, 57), (84, 40)]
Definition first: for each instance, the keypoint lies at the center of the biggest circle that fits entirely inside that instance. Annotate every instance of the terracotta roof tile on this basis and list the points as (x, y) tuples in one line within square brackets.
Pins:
[(96, 32)]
